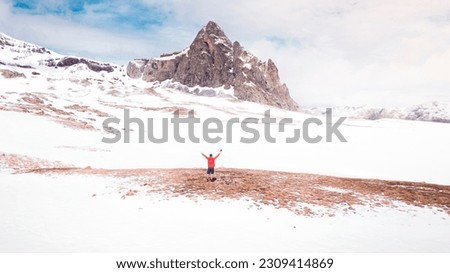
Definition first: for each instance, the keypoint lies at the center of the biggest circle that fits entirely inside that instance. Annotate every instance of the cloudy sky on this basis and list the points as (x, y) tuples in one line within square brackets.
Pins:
[(330, 52)]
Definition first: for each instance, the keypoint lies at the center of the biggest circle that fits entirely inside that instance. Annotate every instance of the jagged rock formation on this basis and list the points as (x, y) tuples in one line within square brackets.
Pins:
[(212, 60), (92, 65)]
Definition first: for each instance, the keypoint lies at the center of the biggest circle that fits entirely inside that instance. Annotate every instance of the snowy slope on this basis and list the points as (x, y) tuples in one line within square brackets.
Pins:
[(20, 53), (61, 214)]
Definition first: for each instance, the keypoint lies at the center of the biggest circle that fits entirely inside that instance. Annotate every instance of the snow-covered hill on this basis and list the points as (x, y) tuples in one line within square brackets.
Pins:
[(22, 54)]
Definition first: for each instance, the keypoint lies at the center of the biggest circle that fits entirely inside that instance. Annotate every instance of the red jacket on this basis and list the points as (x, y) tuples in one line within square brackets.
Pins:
[(211, 160)]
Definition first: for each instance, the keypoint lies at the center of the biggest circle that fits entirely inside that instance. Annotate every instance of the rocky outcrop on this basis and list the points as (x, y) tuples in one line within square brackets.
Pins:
[(6, 41), (9, 74), (94, 66), (212, 60)]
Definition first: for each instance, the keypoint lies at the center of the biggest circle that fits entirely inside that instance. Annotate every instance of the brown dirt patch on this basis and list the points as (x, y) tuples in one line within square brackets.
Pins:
[(84, 109), (24, 164), (299, 192), (38, 104)]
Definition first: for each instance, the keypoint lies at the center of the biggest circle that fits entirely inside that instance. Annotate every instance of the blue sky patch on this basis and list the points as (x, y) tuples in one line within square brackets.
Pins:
[(283, 41), (112, 14)]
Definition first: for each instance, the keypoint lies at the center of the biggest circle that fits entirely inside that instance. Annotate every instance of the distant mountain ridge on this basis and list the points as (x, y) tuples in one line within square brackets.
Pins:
[(212, 60), (432, 111)]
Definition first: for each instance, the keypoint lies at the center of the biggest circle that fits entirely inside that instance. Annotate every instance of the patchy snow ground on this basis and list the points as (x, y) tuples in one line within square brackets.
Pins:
[(76, 213), (40, 212)]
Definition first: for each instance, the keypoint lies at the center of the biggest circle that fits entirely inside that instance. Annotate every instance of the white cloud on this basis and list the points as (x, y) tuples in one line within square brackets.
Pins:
[(390, 52), (83, 38)]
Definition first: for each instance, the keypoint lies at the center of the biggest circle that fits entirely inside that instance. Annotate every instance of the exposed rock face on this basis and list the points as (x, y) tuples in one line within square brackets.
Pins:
[(212, 60), (94, 66), (9, 74), (4, 41)]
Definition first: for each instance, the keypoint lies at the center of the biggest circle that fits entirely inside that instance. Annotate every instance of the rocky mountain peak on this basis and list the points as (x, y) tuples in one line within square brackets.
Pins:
[(212, 60), (212, 32)]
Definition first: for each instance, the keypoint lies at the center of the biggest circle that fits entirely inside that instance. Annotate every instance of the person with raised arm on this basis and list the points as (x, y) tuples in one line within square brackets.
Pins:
[(211, 164)]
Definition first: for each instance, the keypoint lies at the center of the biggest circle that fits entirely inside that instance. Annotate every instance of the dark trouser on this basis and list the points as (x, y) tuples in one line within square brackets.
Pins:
[(210, 170)]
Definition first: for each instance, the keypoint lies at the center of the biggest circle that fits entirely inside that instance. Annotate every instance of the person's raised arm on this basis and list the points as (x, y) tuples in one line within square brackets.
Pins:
[(204, 155), (218, 154)]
